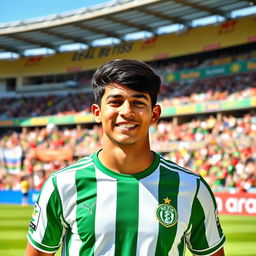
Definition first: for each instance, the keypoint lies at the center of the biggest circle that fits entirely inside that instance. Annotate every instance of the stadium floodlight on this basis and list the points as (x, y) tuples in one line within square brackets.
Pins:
[(138, 35), (243, 12), (9, 55), (39, 51), (72, 47), (106, 41), (169, 29), (207, 20)]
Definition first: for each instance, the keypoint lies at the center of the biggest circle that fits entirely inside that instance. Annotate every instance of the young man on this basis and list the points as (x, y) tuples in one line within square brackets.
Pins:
[(125, 200)]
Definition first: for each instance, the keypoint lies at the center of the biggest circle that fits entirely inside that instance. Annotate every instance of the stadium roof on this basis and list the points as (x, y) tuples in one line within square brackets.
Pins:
[(112, 20)]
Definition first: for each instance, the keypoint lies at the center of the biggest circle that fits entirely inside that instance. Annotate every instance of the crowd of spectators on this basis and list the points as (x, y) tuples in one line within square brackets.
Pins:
[(225, 154), (211, 58), (230, 88), (67, 104), (221, 149)]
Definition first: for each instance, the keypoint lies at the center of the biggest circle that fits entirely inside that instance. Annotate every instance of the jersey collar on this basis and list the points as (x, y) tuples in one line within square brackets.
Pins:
[(122, 176)]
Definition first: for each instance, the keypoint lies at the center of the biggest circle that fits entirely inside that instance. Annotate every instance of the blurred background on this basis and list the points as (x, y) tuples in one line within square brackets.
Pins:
[(205, 54)]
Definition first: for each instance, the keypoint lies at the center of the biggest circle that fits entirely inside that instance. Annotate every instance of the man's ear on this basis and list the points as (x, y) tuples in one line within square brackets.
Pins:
[(156, 114), (96, 112)]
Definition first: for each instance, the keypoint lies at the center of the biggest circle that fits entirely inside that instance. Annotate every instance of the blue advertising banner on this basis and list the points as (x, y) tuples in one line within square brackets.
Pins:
[(15, 197)]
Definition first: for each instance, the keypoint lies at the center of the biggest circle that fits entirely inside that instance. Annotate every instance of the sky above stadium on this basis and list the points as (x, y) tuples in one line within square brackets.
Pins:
[(18, 10)]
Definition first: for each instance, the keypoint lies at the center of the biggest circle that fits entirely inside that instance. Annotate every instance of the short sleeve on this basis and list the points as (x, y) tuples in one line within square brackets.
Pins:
[(46, 227), (205, 235)]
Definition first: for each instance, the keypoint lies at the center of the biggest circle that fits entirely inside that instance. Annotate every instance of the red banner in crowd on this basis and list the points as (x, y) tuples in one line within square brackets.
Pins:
[(236, 204), (48, 155)]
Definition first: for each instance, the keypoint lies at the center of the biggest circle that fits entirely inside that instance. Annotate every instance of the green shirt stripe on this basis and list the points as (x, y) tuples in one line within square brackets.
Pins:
[(41, 247), (215, 205), (182, 246), (198, 226), (168, 188), (85, 215), (126, 218), (54, 216)]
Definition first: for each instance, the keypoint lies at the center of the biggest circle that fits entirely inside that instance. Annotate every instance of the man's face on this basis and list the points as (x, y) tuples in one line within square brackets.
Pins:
[(125, 115)]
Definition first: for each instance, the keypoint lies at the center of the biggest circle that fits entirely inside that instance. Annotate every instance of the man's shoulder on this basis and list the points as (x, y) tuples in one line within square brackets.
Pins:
[(171, 166), (82, 164)]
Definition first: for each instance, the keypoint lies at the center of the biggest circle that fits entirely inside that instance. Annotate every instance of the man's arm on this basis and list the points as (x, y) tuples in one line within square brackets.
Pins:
[(220, 252), (31, 251)]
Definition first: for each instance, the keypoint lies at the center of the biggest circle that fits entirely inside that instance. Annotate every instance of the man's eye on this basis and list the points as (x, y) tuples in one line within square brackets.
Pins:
[(140, 103), (115, 102)]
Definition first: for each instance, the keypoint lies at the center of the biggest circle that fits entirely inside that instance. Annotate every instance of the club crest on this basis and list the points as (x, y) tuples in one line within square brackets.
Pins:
[(167, 214)]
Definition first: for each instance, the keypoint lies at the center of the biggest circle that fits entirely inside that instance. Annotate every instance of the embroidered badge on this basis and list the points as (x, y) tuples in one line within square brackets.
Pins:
[(35, 217), (167, 214)]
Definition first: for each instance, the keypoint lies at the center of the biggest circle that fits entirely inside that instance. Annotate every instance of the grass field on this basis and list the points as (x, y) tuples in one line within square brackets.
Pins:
[(240, 232)]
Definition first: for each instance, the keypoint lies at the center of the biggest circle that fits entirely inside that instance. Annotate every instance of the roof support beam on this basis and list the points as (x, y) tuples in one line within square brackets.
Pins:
[(212, 11), (163, 16), (97, 30), (31, 41), (65, 36), (130, 24), (10, 49)]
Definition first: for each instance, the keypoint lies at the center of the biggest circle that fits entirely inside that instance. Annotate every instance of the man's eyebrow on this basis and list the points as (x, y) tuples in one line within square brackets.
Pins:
[(139, 96), (114, 96)]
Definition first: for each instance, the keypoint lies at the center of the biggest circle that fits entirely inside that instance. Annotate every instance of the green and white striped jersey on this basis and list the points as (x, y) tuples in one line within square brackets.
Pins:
[(94, 211)]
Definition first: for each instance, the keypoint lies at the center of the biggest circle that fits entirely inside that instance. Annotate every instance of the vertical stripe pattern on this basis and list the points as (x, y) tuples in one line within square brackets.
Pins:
[(168, 188), (42, 202), (148, 225), (86, 186), (98, 212), (126, 218), (212, 232), (189, 186), (68, 196), (105, 207)]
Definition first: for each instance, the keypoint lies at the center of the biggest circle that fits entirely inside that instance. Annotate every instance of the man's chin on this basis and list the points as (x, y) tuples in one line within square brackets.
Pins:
[(124, 141)]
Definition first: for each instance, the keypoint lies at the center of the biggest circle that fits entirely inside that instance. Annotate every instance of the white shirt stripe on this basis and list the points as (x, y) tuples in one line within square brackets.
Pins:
[(68, 194), (212, 233), (148, 202), (105, 208), (43, 200), (187, 188), (67, 186)]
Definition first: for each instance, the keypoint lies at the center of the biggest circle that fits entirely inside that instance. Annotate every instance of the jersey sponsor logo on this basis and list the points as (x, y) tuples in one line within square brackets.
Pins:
[(88, 207), (35, 217), (166, 213)]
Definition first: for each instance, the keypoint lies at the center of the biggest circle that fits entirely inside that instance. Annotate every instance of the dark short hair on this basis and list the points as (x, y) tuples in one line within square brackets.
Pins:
[(134, 74)]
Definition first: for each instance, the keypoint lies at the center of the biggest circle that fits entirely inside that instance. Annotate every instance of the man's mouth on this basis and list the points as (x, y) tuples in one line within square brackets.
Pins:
[(126, 127)]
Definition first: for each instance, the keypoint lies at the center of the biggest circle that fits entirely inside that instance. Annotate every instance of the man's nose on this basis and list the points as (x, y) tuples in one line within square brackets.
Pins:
[(127, 109)]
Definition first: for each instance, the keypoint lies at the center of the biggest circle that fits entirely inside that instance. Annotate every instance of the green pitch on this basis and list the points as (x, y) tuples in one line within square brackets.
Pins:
[(240, 232)]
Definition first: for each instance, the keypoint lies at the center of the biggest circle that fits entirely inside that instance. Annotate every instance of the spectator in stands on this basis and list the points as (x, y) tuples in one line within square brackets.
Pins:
[(232, 87), (24, 190)]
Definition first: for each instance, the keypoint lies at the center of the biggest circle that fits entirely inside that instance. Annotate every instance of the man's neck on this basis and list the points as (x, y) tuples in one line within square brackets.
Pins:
[(127, 159)]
